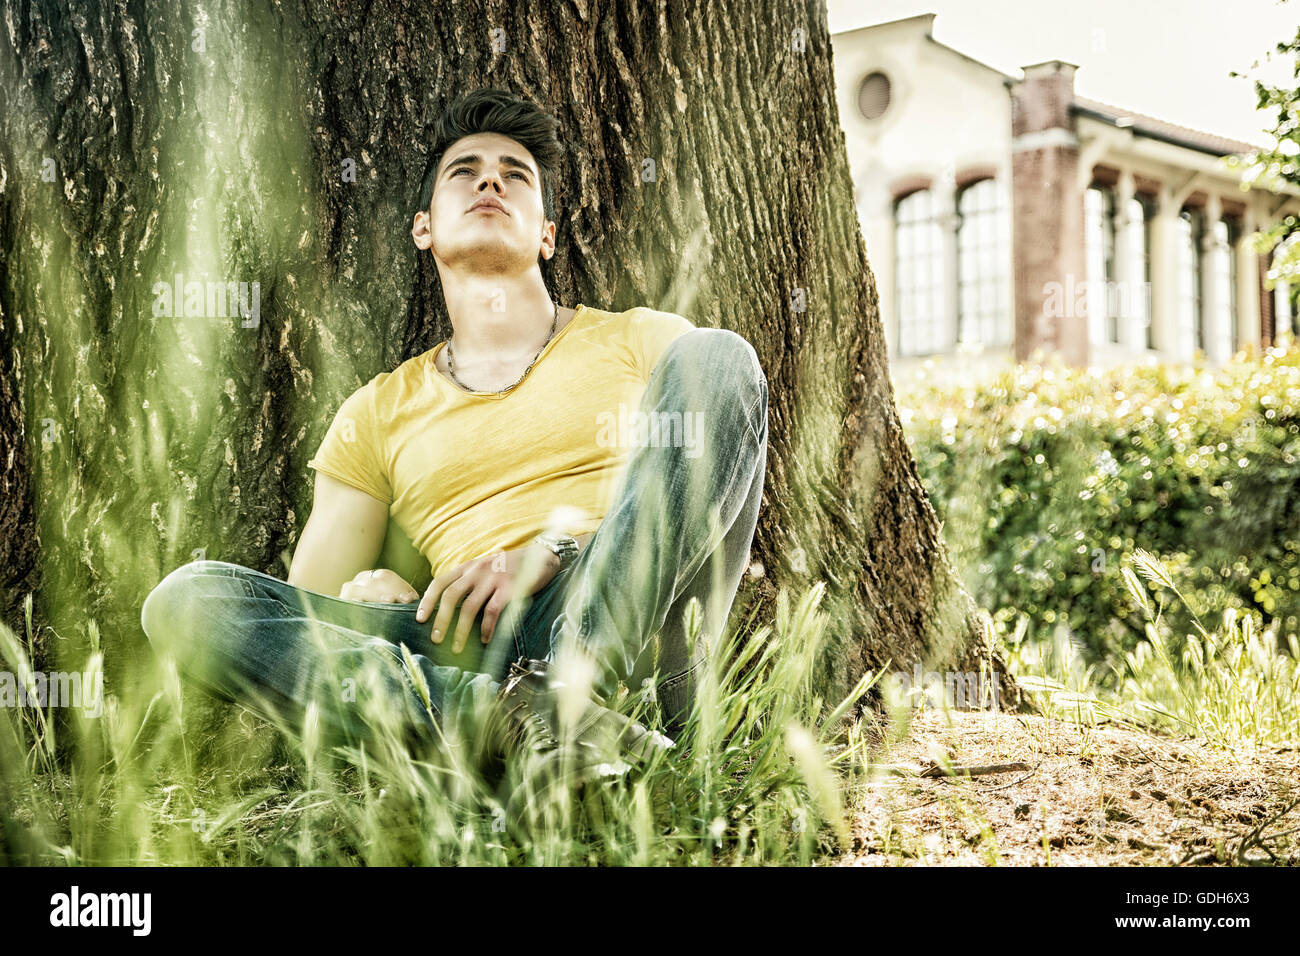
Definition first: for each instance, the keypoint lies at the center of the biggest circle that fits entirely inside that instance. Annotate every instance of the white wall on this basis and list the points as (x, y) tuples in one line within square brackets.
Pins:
[(947, 113)]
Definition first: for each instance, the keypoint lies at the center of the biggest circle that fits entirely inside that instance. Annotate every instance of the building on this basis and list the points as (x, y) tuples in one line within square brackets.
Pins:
[(1005, 215)]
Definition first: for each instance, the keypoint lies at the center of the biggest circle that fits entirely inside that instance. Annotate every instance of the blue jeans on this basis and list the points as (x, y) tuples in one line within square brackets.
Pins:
[(680, 527)]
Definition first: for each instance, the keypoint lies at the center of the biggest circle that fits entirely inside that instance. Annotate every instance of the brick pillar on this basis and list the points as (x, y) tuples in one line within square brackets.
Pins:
[(1282, 313), (1047, 215)]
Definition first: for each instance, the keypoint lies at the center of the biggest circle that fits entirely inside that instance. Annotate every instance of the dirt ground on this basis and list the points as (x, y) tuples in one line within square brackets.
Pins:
[(1109, 796)]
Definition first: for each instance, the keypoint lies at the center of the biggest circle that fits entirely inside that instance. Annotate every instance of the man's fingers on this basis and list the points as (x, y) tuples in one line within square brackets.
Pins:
[(451, 598), (422, 612), (434, 591), (400, 593), (468, 612), (491, 612), (378, 586)]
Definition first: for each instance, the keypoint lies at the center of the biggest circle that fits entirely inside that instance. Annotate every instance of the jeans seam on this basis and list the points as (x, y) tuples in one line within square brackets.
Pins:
[(678, 578), (669, 682), (249, 575), (752, 415), (394, 649), (759, 402), (241, 580)]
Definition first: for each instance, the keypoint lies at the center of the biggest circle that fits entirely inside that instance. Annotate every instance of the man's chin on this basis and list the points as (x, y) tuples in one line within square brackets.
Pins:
[(488, 255)]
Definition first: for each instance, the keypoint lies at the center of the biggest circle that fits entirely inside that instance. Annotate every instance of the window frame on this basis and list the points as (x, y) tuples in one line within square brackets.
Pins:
[(1109, 325), (915, 335), (1192, 238), (992, 329)]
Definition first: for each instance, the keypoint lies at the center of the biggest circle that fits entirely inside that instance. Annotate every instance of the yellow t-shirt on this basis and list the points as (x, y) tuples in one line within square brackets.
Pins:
[(466, 473)]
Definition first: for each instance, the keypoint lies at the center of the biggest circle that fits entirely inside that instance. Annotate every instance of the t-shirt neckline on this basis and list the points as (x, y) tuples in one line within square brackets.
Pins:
[(432, 368)]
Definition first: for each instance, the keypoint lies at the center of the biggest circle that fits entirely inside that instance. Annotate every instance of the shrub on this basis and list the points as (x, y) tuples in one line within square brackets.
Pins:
[(1048, 479)]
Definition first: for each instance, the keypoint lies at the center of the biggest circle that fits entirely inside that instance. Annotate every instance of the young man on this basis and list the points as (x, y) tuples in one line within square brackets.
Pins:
[(572, 476)]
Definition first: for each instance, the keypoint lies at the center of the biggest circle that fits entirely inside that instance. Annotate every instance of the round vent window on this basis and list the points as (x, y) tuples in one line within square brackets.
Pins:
[(873, 96)]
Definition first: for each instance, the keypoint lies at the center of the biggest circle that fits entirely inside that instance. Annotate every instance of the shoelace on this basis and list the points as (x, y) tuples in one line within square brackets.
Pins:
[(531, 717), (624, 735), (523, 714)]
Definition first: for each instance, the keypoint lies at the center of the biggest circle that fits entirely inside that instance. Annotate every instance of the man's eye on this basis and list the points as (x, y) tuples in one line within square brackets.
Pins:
[(465, 169)]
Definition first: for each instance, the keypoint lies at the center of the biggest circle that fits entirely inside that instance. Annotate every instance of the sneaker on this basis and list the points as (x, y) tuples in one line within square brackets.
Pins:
[(606, 744)]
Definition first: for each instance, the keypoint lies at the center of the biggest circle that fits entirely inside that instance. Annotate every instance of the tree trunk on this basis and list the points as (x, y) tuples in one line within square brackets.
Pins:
[(283, 144)]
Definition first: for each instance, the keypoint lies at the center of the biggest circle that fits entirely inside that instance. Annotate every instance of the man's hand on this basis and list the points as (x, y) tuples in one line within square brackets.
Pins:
[(379, 586), (492, 580)]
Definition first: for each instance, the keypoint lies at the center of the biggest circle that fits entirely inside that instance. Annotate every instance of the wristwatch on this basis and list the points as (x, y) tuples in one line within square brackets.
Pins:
[(564, 546)]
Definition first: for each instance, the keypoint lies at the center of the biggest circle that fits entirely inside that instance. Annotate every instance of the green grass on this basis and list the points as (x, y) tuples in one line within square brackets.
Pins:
[(168, 776), (1236, 686)]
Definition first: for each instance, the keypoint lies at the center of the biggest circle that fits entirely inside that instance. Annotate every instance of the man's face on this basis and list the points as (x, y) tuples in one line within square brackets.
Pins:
[(460, 229)]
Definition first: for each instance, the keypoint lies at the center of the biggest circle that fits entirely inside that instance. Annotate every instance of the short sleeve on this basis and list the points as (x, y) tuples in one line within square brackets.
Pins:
[(350, 450), (651, 333)]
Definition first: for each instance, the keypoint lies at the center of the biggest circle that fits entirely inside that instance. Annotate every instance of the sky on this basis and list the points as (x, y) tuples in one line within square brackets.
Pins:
[(1166, 58)]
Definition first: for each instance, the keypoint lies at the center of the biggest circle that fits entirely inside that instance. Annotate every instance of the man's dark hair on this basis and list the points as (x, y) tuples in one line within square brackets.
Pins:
[(498, 111)]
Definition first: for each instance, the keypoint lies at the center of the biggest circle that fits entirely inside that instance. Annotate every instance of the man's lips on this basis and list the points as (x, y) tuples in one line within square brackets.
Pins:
[(486, 204)]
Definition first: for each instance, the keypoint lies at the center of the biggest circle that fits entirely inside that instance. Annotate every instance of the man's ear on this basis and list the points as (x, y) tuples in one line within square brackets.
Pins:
[(548, 240), (420, 231)]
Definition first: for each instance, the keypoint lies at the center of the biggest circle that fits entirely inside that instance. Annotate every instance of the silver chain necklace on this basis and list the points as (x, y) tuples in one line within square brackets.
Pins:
[(451, 366)]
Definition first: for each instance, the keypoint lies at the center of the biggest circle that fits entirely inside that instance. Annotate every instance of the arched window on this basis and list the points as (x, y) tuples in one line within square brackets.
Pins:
[(983, 243), (918, 242), (1138, 299), (1293, 309), (1226, 233), (1286, 315), (1099, 240), (1286, 290), (1191, 324)]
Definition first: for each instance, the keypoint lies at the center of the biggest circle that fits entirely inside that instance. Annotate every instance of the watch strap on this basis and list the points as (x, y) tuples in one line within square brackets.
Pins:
[(563, 546)]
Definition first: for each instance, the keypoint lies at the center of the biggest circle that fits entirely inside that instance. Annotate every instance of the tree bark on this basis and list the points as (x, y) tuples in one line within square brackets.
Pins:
[(706, 174)]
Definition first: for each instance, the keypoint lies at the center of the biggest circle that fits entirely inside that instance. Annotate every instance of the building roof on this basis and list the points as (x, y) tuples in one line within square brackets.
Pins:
[(925, 21), (1159, 129), (1140, 123), (968, 58), (889, 23)]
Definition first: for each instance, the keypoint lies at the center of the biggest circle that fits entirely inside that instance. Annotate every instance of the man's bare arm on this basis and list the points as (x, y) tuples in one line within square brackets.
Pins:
[(403, 558), (344, 536)]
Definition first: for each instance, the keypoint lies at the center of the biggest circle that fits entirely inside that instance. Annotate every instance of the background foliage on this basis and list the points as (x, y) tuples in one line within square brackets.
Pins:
[(1048, 479)]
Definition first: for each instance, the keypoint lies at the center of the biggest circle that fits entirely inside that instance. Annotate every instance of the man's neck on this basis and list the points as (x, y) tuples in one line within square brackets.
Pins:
[(481, 333)]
